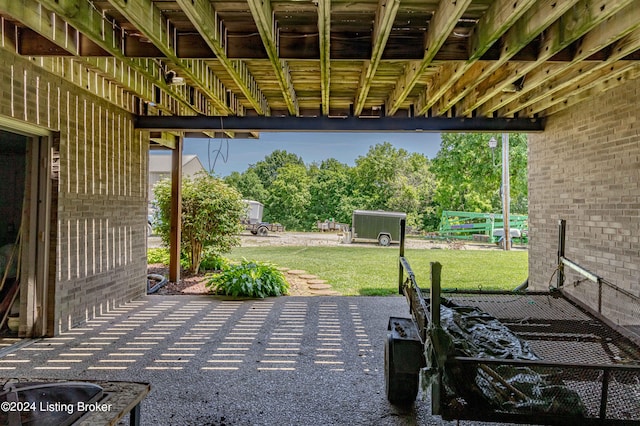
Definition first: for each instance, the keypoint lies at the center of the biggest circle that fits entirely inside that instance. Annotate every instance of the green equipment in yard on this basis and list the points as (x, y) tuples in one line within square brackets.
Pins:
[(487, 227)]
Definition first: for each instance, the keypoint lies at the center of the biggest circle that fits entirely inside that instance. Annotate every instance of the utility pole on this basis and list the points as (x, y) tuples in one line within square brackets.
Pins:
[(506, 192)]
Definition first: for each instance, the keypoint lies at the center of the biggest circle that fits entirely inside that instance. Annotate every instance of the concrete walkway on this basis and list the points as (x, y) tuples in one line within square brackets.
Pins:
[(281, 361)]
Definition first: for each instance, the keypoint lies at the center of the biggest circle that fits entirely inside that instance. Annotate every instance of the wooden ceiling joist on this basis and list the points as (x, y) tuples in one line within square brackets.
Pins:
[(442, 24), (89, 21), (151, 22), (582, 18), (64, 37), (609, 69), (535, 20), (324, 34), (383, 24), (331, 58), (204, 19), (540, 83), (29, 12), (572, 96), (263, 17), (494, 23)]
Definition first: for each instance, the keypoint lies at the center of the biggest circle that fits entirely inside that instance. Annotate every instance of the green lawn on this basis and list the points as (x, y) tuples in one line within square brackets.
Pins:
[(374, 270)]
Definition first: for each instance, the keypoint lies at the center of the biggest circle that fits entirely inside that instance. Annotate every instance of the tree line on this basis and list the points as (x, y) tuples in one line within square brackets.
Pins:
[(465, 175)]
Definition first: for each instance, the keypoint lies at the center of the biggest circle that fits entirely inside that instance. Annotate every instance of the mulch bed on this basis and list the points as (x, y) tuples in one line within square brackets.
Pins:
[(195, 284)]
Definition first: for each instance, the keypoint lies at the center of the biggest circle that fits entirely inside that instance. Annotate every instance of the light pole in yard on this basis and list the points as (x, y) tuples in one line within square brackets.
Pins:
[(506, 191)]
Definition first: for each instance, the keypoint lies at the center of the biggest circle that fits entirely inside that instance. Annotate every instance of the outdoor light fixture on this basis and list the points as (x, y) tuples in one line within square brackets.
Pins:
[(493, 143), (171, 77)]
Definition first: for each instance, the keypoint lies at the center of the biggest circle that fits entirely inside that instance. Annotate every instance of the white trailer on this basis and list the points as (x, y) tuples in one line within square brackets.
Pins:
[(253, 220)]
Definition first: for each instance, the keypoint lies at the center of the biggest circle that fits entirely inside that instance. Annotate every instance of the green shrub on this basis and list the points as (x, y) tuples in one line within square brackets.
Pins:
[(213, 262), (158, 255), (249, 279), (161, 255), (211, 212)]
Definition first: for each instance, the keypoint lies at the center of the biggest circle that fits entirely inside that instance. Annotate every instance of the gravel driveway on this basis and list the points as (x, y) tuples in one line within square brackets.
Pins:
[(332, 239)]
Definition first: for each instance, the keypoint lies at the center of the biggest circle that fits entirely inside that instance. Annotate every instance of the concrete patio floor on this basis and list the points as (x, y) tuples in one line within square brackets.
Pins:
[(280, 361)]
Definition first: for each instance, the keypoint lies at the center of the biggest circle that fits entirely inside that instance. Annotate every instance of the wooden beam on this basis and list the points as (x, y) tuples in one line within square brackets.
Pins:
[(137, 46), (55, 34), (538, 17), (151, 22), (70, 7), (385, 16), (263, 17), (86, 47), (613, 67), (324, 31), (585, 16), (166, 139), (400, 46), (30, 43), (624, 72), (91, 23), (176, 211), (205, 20), (33, 15), (441, 25), (541, 83), (500, 16)]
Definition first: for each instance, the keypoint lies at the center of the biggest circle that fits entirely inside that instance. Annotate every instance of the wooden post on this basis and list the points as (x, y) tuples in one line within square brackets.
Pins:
[(436, 268), (403, 224), (176, 211), (562, 229), (436, 386)]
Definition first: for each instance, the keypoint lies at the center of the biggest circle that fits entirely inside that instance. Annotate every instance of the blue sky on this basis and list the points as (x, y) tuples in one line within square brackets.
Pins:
[(312, 147)]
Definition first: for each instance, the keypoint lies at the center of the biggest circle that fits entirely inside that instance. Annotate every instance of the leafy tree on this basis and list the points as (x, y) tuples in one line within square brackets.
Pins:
[(210, 216), (375, 173), (330, 187), (289, 197), (392, 179), (469, 177), (267, 169), (248, 184), (413, 189)]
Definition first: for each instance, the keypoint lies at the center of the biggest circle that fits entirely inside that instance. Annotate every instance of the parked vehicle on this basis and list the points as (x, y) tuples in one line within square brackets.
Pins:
[(375, 225), (253, 220)]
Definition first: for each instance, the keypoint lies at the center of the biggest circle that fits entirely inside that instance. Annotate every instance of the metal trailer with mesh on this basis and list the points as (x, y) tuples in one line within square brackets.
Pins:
[(586, 369)]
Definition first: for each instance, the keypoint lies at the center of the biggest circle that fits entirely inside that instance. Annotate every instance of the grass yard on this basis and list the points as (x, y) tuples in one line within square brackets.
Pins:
[(374, 271)]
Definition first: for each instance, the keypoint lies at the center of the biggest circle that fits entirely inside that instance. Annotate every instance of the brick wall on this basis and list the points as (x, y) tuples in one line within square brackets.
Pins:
[(100, 229), (585, 168)]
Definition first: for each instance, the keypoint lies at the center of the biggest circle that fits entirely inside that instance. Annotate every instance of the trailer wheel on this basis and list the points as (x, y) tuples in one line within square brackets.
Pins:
[(254, 232), (263, 231), (384, 240), (401, 388)]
